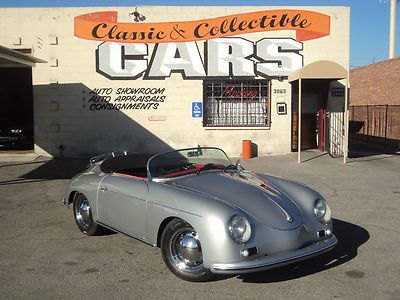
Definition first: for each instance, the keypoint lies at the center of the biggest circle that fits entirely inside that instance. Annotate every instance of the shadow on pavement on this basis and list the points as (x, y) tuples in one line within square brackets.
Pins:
[(350, 237), (20, 164), (361, 159), (315, 156), (58, 169), (48, 170), (362, 150)]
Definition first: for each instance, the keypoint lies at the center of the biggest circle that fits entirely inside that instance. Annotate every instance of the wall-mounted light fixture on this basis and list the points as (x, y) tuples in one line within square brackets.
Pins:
[(136, 16)]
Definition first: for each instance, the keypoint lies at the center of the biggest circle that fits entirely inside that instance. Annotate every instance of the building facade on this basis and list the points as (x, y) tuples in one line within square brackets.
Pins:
[(162, 78)]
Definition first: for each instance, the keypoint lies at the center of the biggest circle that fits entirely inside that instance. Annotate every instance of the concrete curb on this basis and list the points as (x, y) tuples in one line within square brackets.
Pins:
[(18, 156)]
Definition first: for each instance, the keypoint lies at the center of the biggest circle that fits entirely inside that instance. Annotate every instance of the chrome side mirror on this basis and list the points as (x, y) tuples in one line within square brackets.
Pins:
[(238, 166)]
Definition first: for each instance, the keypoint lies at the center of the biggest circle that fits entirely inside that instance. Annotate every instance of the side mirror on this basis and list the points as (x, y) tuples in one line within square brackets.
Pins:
[(238, 165)]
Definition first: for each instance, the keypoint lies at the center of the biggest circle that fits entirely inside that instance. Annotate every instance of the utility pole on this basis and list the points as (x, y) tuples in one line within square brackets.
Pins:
[(392, 35)]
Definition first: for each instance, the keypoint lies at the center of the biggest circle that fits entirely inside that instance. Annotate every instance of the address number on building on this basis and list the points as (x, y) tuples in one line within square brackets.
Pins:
[(279, 91)]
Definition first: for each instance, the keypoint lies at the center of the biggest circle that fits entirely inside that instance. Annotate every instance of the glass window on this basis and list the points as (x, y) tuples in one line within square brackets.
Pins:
[(236, 103)]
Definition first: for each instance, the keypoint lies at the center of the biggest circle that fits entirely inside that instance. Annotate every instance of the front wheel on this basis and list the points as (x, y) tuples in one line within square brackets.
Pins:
[(181, 251), (83, 216)]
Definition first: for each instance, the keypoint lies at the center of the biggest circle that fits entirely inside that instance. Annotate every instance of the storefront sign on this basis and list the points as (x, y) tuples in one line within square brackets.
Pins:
[(337, 92), (225, 57), (124, 53), (104, 26), (126, 98), (236, 93)]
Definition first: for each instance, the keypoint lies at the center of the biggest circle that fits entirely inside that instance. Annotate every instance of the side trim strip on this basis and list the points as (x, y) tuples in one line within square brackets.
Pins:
[(127, 234)]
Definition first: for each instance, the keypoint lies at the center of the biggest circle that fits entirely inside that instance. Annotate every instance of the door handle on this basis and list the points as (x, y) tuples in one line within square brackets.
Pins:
[(103, 188)]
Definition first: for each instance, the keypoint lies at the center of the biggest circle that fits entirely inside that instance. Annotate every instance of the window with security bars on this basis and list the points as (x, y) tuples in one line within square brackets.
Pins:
[(236, 103)]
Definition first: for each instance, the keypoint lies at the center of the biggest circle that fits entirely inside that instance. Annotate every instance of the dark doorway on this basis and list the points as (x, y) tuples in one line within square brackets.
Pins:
[(313, 124), (308, 131), (16, 113)]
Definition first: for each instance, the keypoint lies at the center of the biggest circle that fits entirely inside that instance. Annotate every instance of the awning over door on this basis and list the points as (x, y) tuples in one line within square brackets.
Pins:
[(322, 69), (10, 58)]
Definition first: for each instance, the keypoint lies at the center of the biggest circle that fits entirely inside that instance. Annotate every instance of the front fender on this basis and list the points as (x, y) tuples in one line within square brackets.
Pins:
[(209, 217), (86, 184)]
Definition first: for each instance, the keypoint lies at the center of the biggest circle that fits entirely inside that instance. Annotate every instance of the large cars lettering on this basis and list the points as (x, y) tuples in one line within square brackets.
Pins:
[(230, 57)]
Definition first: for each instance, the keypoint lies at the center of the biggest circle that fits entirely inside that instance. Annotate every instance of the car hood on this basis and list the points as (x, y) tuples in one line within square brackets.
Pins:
[(248, 192)]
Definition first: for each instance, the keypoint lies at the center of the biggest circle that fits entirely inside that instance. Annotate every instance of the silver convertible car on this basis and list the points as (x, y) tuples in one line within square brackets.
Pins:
[(207, 215)]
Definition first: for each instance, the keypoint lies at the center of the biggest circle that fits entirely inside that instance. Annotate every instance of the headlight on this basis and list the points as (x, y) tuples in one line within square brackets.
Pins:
[(240, 229), (322, 211), (16, 130)]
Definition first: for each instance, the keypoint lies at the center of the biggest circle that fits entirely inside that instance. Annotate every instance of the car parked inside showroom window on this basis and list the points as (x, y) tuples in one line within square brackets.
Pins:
[(16, 132)]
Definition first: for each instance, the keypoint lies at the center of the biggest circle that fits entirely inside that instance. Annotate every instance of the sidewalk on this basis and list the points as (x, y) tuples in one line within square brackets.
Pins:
[(20, 156)]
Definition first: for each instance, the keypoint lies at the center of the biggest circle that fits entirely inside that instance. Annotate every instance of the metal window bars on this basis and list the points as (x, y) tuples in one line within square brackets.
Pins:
[(236, 103)]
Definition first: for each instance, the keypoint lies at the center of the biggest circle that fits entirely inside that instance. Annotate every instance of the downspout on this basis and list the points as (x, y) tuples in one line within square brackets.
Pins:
[(299, 126)]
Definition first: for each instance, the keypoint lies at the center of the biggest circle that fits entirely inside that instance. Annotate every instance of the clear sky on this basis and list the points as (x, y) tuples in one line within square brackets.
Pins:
[(369, 36)]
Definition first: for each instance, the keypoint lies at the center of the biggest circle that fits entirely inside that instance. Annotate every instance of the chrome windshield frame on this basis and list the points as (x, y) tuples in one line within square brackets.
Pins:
[(150, 177)]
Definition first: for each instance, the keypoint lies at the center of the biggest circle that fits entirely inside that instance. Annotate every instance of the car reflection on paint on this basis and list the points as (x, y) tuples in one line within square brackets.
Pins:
[(16, 132), (207, 215)]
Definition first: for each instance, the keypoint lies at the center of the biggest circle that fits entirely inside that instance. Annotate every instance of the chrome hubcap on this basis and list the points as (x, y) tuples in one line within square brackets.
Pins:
[(83, 213), (186, 251)]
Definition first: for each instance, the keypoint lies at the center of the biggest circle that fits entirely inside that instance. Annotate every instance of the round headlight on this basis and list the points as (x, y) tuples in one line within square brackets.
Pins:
[(240, 229), (322, 211)]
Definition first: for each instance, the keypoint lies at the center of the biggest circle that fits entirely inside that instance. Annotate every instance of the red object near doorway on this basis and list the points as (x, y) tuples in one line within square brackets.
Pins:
[(321, 129)]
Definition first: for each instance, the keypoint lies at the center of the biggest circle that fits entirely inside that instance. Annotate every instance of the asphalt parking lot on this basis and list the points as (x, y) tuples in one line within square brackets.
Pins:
[(43, 255)]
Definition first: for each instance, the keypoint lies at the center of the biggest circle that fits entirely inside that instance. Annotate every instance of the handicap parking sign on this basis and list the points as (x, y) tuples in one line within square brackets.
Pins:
[(197, 109)]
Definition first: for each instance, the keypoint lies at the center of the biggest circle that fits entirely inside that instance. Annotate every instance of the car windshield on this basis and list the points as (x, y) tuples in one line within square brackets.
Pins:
[(187, 161)]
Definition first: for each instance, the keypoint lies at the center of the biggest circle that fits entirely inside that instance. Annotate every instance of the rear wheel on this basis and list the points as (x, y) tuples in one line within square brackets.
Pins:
[(83, 216), (181, 251)]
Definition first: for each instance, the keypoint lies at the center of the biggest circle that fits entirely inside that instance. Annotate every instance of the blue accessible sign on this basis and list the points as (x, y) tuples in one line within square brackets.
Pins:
[(197, 109)]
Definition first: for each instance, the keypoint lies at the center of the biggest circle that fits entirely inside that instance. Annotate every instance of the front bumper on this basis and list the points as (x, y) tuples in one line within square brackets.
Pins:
[(276, 260)]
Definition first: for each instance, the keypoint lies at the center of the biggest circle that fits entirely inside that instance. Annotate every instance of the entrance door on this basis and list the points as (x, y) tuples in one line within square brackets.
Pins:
[(308, 131), (321, 129)]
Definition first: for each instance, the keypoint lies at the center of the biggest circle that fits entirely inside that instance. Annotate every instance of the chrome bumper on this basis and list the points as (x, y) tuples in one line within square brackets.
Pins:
[(276, 260)]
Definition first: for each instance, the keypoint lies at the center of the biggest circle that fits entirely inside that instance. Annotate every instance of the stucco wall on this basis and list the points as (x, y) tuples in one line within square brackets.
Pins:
[(64, 123)]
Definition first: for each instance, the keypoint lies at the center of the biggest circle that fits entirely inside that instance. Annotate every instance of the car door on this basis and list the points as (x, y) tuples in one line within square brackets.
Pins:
[(122, 202)]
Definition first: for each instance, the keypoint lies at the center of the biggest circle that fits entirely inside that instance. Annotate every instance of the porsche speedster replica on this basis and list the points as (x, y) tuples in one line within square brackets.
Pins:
[(207, 215)]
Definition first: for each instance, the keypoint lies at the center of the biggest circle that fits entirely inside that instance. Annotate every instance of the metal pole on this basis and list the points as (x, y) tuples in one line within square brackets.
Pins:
[(299, 126), (386, 126), (392, 35), (346, 123), (367, 125)]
